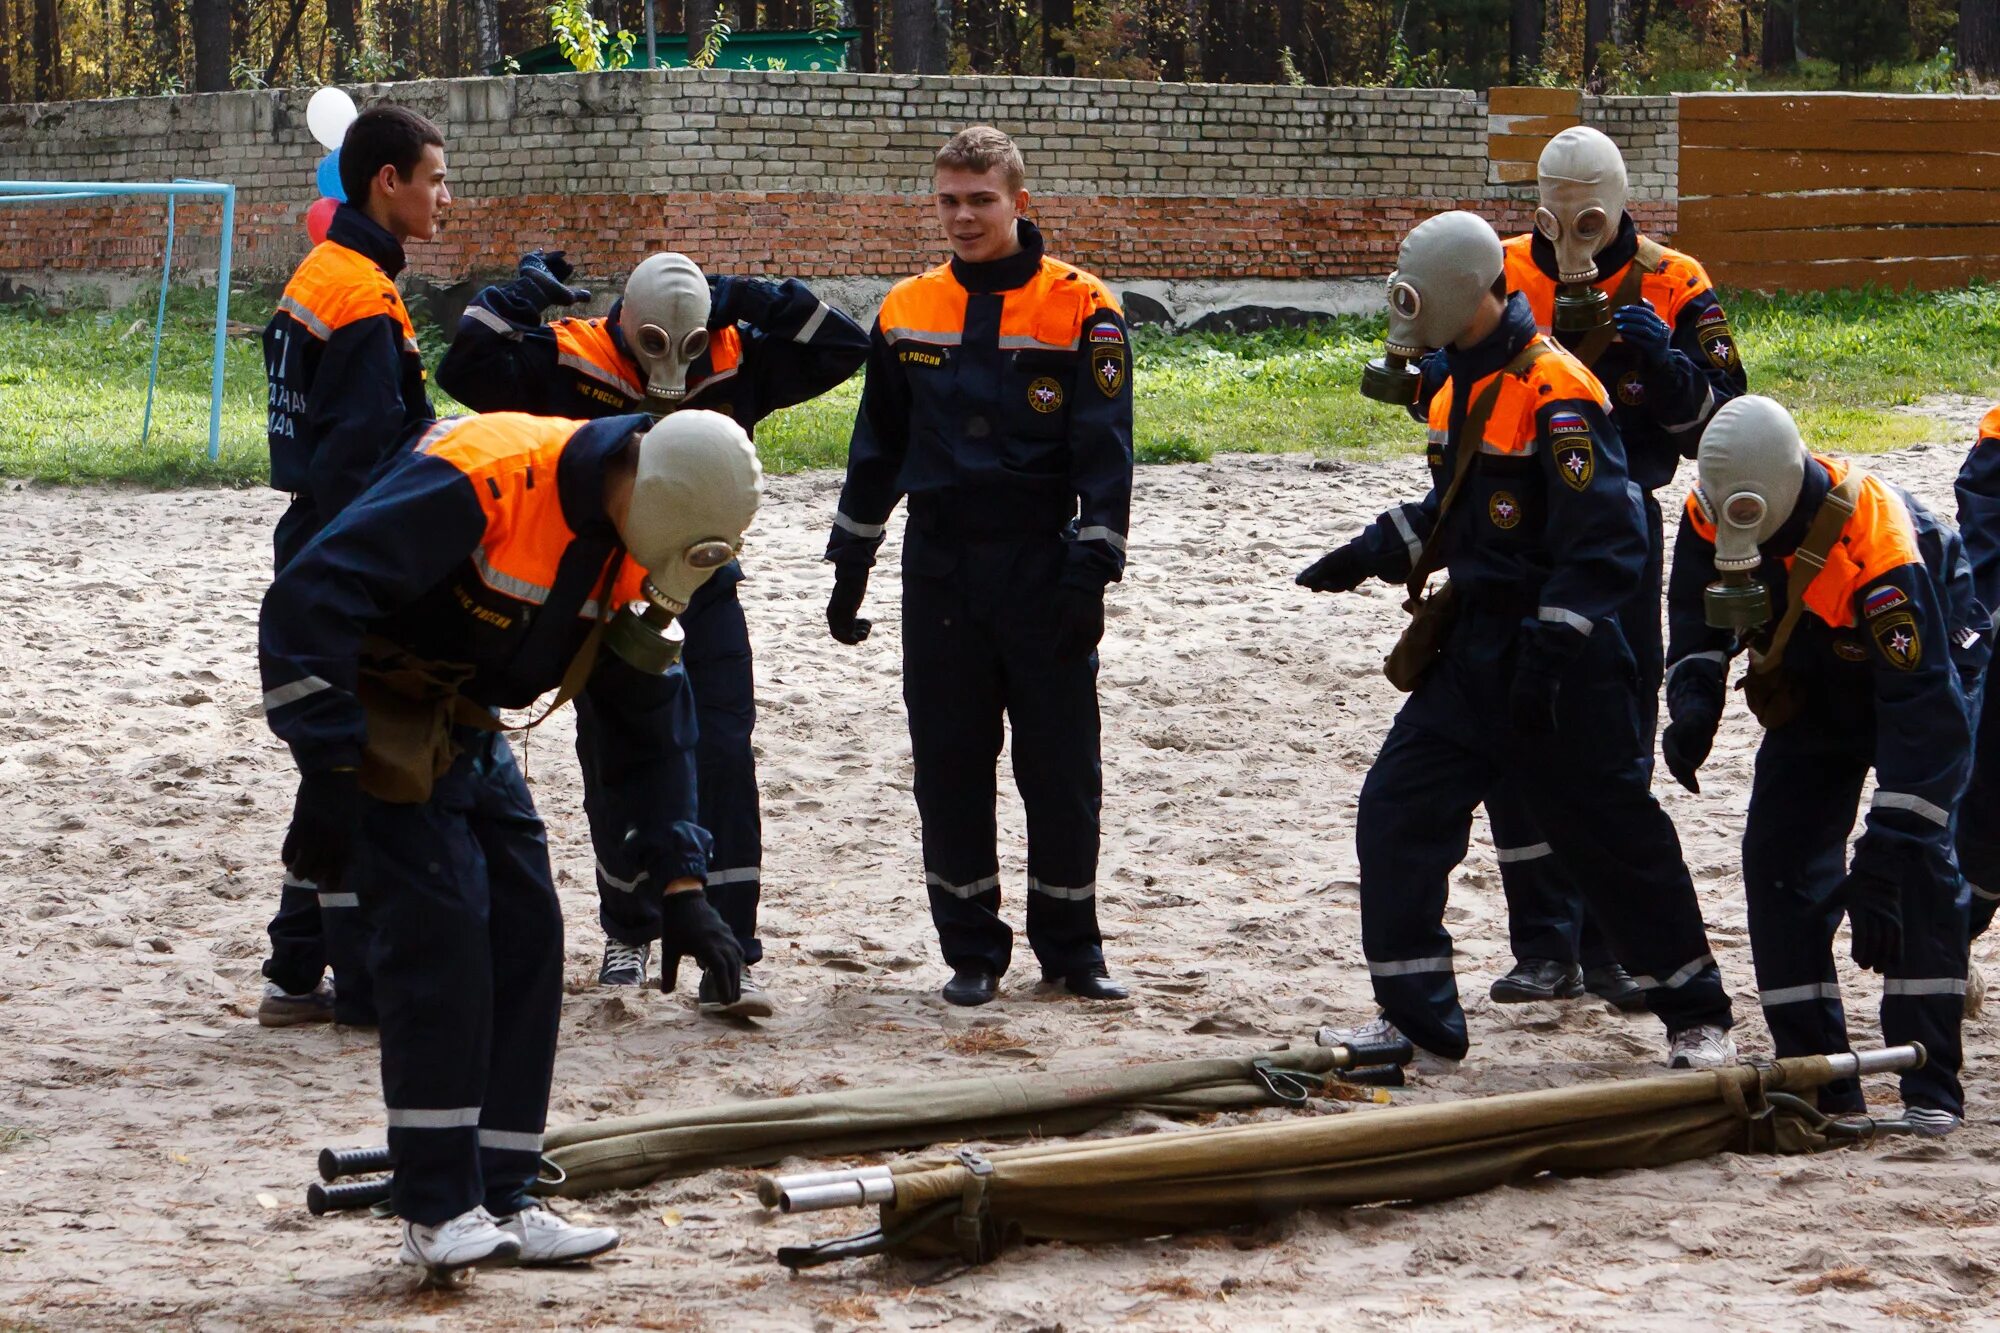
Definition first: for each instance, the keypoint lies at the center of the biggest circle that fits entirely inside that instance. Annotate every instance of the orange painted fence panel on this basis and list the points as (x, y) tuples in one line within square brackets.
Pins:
[(1811, 191)]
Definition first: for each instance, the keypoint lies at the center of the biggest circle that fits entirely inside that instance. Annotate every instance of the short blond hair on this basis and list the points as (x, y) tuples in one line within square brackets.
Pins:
[(981, 148)]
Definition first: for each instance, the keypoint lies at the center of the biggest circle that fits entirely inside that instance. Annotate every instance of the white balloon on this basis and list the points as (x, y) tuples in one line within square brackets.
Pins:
[(328, 115)]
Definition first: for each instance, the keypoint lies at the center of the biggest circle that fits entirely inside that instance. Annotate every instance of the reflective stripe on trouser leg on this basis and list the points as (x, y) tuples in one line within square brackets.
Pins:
[(1412, 829), (298, 945), (721, 673), (1923, 998), (347, 926), (1588, 790), (628, 902), (953, 693), (1544, 911), (467, 963)]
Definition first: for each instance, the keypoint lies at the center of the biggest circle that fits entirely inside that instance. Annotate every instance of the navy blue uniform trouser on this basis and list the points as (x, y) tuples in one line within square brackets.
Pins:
[(1587, 787), (978, 645), (467, 958), (1979, 815), (1802, 808), (314, 928), (1546, 917), (717, 659)]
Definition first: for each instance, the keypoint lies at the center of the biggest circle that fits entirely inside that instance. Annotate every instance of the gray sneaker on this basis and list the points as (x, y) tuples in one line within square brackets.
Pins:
[(624, 964), (1930, 1121), (281, 1009), (752, 1001), (1702, 1047)]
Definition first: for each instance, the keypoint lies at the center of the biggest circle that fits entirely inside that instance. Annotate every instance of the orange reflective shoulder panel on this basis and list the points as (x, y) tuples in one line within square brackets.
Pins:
[(1566, 377), (1048, 313), (336, 286), (927, 308), (511, 458), (1989, 425), (1524, 277), (725, 350), (1679, 280), (1881, 536), (586, 345)]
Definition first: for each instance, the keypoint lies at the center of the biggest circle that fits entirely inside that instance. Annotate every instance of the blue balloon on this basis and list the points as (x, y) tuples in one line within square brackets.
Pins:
[(329, 177)]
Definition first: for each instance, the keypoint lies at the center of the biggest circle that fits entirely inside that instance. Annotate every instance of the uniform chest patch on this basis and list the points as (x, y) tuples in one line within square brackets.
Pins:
[(1576, 461), (1045, 395), (1847, 650), (1504, 510), (1896, 636), (1107, 367), (1712, 331), (1631, 388), (1883, 600)]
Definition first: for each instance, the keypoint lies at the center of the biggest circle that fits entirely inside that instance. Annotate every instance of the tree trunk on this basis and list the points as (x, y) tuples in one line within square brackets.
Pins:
[(1979, 37), (1524, 39), (920, 36), (485, 34), (343, 22), (400, 23), (700, 18), (1596, 31), (1057, 15), (1215, 40), (863, 57), (48, 52), (1780, 37), (287, 36)]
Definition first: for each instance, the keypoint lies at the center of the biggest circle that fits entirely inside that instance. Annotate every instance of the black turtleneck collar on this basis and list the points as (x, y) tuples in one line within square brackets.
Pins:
[(358, 232), (1813, 489), (1515, 331), (1610, 259), (1004, 275), (580, 475), (616, 328)]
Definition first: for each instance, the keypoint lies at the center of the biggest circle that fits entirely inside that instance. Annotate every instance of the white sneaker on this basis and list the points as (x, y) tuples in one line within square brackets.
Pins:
[(470, 1240), (1378, 1031), (547, 1239), (624, 964), (1930, 1121), (752, 1000), (1703, 1047)]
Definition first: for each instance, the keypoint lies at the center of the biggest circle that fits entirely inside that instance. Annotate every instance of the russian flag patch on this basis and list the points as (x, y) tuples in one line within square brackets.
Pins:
[(1106, 333), (1568, 423), (1882, 599)]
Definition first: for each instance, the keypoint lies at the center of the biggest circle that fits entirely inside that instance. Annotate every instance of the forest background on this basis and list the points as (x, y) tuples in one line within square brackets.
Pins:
[(53, 50)]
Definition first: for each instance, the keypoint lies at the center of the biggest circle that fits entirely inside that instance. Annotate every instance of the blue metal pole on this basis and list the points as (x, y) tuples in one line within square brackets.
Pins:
[(159, 324), (221, 323)]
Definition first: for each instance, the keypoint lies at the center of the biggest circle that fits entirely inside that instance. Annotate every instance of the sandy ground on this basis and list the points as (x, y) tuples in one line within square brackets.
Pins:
[(162, 1140)]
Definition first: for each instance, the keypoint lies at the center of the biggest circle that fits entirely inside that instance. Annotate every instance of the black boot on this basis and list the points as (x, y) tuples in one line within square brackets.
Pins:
[(1538, 979), (971, 986), (1614, 985), (1090, 983)]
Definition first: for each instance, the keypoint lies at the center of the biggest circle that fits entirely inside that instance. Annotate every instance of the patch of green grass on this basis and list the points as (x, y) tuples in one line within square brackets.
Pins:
[(73, 385)]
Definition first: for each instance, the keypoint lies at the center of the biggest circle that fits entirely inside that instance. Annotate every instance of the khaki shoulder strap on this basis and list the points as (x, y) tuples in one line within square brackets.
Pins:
[(1646, 259), (1469, 436), (1826, 527)]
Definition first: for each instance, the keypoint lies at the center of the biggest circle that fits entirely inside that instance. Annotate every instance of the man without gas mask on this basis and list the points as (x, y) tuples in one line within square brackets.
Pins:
[(676, 338), (1532, 513), (999, 399), (498, 561), (1866, 644)]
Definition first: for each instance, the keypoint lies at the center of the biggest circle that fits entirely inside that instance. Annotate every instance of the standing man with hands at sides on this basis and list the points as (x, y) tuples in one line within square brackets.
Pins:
[(1519, 673), (676, 339), (346, 392), (999, 400)]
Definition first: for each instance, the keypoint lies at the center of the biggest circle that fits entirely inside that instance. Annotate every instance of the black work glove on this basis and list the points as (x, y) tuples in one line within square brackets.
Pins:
[(690, 927), (1545, 654), (1079, 621), (549, 275), (326, 821), (1694, 705), (1641, 328), (1339, 570), (1874, 903), (850, 584), (731, 299)]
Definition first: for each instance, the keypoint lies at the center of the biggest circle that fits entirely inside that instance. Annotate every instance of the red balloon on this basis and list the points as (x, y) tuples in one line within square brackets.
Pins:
[(319, 217)]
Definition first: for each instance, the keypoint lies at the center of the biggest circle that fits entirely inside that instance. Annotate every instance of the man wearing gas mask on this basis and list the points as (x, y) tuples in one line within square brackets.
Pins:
[(999, 399), (1865, 645), (1520, 676), (506, 556), (1979, 820), (740, 346)]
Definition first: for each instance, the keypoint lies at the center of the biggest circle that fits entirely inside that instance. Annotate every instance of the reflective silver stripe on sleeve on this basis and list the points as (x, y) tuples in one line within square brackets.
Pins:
[(622, 885), (510, 1140), (857, 527), (410, 346), (292, 693), (740, 875), (1523, 450), (1680, 978), (1916, 805), (1560, 616), (1097, 532), (292, 881), (972, 890), (479, 314), (1924, 986), (414, 1117), (591, 370), (507, 583), (941, 337), (1509, 855), (1410, 967), (314, 324), (1819, 990), (438, 431), (339, 900), (811, 326), (716, 378), (1707, 411), (1080, 894), (1438, 436), (1027, 342), (1401, 519), (1721, 659), (1988, 894)]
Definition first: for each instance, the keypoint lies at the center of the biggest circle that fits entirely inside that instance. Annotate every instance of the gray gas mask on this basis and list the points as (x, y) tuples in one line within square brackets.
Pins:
[(694, 494), (1750, 468), (1583, 188), (664, 317), (1444, 269)]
